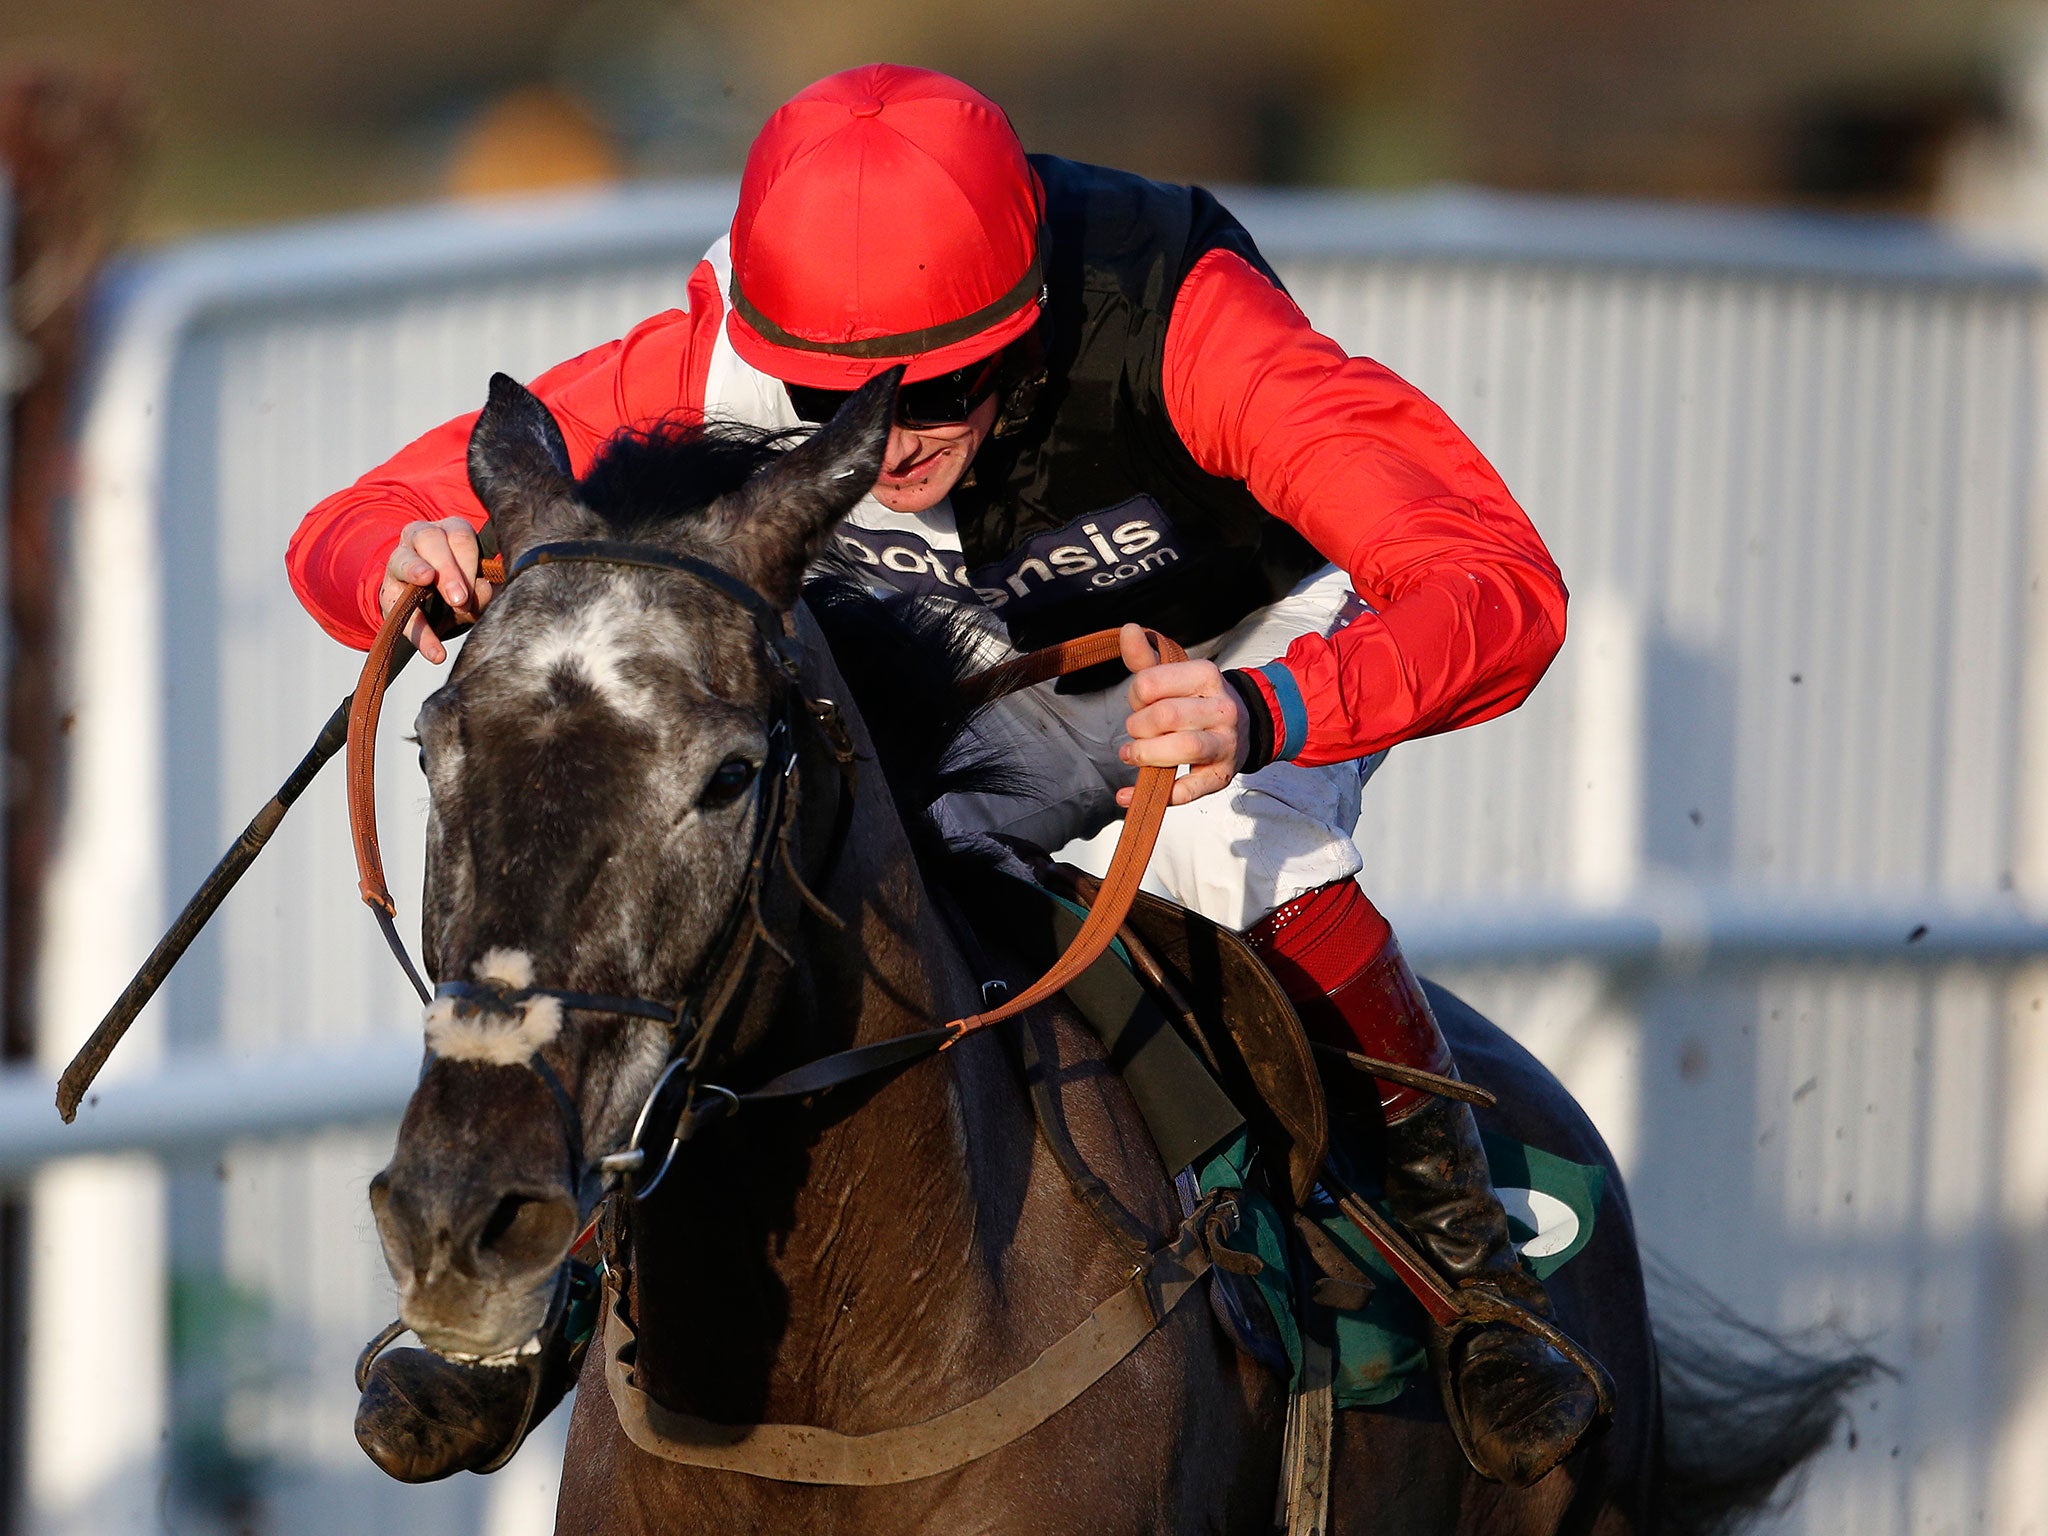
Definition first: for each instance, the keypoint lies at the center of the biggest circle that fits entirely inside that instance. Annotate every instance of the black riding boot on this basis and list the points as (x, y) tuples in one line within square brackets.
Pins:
[(1524, 1405), (423, 1417)]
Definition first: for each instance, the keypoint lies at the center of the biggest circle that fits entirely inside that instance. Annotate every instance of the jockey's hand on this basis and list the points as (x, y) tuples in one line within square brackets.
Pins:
[(1181, 712), (446, 554)]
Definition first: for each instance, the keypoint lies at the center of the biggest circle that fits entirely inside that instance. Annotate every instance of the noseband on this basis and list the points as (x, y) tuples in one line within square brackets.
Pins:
[(681, 1103)]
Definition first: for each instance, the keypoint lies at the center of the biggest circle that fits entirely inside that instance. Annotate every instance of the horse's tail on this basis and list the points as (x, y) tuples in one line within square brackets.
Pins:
[(1744, 1410)]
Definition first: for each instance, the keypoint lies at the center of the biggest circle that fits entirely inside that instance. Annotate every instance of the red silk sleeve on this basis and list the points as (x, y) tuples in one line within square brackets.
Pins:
[(1470, 608), (336, 558)]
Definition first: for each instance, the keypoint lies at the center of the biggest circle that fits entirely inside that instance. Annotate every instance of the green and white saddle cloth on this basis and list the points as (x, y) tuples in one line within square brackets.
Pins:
[(1550, 1203)]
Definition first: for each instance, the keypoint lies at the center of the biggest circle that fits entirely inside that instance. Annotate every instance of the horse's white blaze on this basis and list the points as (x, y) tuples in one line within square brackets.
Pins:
[(594, 649), (493, 1039), (597, 641)]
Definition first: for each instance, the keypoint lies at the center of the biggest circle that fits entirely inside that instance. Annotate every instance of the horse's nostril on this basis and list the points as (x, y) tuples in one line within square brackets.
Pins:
[(396, 1225), (502, 1217), (523, 1231)]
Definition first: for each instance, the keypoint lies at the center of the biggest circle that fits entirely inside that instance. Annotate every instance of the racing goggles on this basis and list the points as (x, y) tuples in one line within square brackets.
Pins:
[(944, 401)]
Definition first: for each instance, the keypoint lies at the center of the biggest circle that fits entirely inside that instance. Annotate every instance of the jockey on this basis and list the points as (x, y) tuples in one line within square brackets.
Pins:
[(1113, 413)]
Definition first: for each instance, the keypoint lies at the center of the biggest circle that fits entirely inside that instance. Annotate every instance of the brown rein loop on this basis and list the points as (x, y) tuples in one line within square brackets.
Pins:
[(387, 657), (1134, 843), (389, 653)]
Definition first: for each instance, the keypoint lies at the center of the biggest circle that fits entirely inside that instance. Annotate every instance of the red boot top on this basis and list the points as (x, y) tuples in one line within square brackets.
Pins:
[(1337, 958)]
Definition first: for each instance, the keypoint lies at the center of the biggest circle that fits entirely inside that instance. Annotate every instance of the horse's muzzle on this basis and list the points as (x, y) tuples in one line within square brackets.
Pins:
[(475, 1211)]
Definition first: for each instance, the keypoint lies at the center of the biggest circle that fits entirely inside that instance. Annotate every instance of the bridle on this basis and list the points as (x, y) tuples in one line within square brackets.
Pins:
[(682, 1102)]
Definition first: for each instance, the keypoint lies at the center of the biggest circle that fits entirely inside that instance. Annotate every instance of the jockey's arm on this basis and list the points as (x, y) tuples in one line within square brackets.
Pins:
[(414, 517), (1468, 607)]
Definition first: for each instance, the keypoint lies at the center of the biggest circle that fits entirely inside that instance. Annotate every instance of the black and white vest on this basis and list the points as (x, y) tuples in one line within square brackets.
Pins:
[(1093, 513)]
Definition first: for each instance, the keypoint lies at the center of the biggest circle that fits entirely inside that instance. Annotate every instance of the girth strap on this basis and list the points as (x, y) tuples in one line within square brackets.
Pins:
[(807, 1453)]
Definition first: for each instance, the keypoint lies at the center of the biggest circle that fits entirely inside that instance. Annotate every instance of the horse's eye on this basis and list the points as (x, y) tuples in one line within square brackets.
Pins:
[(727, 783)]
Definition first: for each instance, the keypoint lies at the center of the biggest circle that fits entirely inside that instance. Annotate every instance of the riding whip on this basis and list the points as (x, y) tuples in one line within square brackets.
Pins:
[(85, 1066)]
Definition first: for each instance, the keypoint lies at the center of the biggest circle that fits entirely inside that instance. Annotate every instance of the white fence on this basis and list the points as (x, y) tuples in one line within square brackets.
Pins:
[(1790, 471)]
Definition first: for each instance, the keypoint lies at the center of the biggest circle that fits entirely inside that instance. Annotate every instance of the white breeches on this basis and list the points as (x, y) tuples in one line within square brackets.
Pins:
[(1232, 856)]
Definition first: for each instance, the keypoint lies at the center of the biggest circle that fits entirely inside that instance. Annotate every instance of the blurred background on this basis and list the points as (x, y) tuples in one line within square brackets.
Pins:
[(1744, 299), (258, 110)]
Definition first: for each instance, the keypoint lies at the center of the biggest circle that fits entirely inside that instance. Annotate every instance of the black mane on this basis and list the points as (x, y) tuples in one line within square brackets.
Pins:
[(903, 657), (645, 478)]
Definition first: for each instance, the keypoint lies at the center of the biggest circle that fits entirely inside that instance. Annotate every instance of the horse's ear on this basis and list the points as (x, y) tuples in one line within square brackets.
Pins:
[(777, 523), (519, 469)]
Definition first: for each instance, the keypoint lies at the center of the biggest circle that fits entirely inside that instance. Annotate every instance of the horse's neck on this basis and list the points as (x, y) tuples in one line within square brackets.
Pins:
[(801, 1258)]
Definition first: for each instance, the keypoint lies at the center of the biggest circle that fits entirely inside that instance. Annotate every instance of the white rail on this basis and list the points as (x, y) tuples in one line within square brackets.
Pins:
[(204, 1099)]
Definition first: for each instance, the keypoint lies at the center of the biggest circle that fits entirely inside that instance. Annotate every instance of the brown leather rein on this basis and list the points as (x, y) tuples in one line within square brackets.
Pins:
[(693, 1031)]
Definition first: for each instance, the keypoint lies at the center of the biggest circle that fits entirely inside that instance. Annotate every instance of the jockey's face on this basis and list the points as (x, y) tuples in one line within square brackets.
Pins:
[(923, 464)]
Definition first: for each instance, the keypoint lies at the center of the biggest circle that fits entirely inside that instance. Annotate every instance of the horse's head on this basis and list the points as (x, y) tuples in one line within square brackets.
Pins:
[(596, 765)]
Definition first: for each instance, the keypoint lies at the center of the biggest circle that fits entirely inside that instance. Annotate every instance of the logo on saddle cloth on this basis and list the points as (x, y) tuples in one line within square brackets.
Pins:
[(1097, 551)]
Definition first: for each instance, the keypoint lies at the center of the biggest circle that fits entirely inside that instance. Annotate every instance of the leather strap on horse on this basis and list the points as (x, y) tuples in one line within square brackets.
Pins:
[(806, 1453), (389, 652), (1110, 905), (1134, 842), (384, 662)]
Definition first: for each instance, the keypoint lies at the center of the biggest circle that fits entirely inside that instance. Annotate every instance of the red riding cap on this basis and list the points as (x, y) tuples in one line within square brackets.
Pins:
[(887, 215)]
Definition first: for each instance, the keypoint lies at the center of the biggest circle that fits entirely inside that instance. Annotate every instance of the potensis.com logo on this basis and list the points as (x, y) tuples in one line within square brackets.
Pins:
[(1094, 552)]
